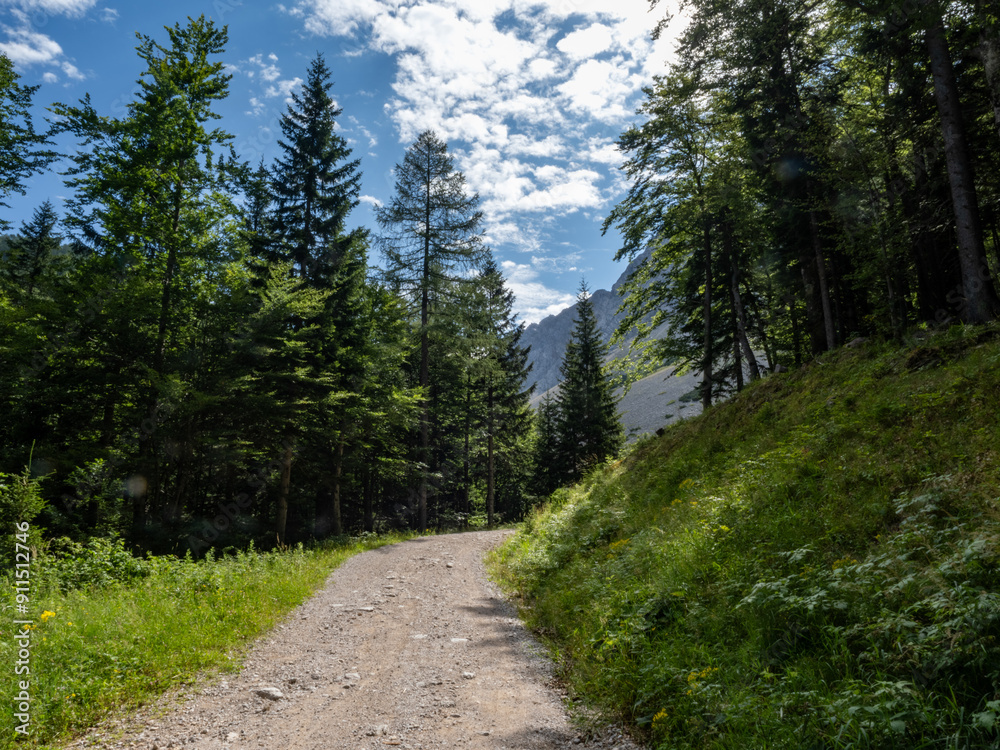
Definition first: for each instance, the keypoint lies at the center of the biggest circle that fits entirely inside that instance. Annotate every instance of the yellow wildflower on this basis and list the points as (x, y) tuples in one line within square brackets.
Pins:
[(46, 615)]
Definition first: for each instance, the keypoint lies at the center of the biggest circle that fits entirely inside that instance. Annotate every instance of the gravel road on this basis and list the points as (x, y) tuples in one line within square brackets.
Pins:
[(406, 646)]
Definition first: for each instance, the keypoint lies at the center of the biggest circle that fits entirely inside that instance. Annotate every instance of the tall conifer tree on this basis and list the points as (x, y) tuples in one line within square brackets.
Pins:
[(430, 234), (588, 427), (315, 185)]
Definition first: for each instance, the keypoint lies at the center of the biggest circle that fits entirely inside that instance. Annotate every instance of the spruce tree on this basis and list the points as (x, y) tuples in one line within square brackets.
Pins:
[(315, 182), (315, 185), (588, 427), (504, 395), (545, 479), (31, 253)]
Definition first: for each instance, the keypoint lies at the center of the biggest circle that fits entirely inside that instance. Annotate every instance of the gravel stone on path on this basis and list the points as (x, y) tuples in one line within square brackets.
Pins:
[(396, 650)]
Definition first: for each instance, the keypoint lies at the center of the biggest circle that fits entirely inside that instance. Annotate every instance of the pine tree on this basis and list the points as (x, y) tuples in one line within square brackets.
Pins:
[(588, 427), (431, 234)]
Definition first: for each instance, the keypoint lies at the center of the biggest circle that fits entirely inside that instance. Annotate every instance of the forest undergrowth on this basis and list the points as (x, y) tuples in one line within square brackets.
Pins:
[(813, 564)]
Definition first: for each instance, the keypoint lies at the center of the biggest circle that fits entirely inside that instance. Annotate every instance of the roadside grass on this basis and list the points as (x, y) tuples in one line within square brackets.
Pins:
[(814, 564), (112, 632)]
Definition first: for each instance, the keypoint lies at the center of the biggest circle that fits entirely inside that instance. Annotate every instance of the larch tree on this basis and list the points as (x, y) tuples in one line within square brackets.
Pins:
[(430, 237)]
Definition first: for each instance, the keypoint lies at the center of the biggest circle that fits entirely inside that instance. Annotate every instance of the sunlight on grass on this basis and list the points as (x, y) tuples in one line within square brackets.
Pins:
[(120, 645), (814, 564)]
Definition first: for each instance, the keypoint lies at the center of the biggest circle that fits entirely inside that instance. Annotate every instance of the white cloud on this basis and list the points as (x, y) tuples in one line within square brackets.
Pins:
[(506, 87), (27, 47), (50, 78), (257, 107), (579, 45), (270, 72), (529, 94), (72, 71), (72, 8), (604, 151), (371, 200), (283, 88), (267, 72), (535, 301), (109, 15), (599, 89)]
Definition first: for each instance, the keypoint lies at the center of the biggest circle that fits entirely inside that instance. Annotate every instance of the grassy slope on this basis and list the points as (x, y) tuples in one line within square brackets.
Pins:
[(115, 647), (813, 564)]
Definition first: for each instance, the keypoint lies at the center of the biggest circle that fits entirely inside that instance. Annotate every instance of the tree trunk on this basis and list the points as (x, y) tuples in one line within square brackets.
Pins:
[(706, 366), (466, 499), (739, 312), (796, 334), (338, 468), (489, 458), (490, 487), (425, 416), (737, 359), (824, 290), (979, 302), (286, 483), (369, 491)]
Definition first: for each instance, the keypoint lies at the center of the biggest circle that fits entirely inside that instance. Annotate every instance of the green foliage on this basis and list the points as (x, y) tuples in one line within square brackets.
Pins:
[(20, 499), (813, 564), (21, 152), (580, 428)]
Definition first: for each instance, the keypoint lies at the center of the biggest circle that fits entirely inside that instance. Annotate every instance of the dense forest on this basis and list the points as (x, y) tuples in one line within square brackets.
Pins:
[(205, 352), (202, 353), (808, 173)]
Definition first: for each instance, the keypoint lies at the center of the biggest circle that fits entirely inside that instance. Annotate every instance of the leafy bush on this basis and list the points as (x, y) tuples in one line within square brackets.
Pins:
[(99, 562)]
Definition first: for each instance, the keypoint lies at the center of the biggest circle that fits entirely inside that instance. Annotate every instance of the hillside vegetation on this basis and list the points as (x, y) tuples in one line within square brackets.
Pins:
[(812, 564)]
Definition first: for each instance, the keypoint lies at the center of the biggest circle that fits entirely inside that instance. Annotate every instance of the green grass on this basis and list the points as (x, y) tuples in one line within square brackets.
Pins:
[(814, 564), (121, 643)]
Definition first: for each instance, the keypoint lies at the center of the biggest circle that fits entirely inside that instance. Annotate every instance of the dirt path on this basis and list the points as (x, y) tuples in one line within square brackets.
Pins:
[(407, 646)]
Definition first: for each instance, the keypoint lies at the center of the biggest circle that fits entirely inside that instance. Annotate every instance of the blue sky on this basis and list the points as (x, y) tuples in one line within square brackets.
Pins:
[(529, 94)]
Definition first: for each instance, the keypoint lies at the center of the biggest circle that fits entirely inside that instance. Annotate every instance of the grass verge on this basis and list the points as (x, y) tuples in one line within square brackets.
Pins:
[(814, 564), (115, 646)]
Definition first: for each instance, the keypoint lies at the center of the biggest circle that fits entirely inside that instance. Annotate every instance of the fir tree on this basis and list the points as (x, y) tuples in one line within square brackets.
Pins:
[(505, 398), (545, 479), (315, 187), (315, 183)]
